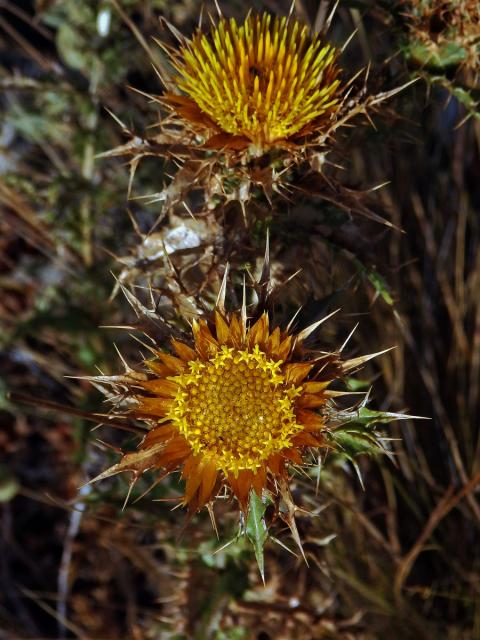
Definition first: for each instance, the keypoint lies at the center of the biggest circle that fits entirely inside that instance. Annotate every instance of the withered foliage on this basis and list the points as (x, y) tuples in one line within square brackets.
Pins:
[(449, 33), (443, 45)]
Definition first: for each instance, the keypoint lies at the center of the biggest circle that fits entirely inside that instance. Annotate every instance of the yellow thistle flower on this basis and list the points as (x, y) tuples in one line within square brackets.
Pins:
[(267, 97), (264, 82), (234, 406), (234, 409)]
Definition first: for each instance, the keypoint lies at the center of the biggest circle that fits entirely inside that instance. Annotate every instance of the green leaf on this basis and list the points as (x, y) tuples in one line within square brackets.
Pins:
[(452, 54), (465, 98), (353, 444), (369, 417), (9, 486), (234, 551), (376, 279), (436, 57), (256, 528), (461, 94), (380, 286), (357, 384), (236, 633)]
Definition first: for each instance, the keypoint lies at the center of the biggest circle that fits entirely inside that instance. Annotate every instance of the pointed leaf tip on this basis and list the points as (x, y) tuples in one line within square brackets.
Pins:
[(256, 529), (220, 304)]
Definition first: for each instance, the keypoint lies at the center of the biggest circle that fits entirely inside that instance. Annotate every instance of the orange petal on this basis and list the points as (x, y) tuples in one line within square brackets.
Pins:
[(183, 351), (293, 455), (188, 109), (227, 141), (161, 387), (193, 481), (158, 407), (310, 400), (259, 481), (316, 387), (175, 451), (222, 329), (159, 368), (205, 343), (190, 466), (173, 363), (284, 348), (240, 486), (297, 372), (276, 464), (209, 478), (306, 439), (258, 334), (159, 434), (237, 332), (273, 342), (310, 420)]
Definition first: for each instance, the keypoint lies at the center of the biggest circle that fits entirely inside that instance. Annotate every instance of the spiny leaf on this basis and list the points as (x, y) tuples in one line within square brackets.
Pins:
[(354, 363), (353, 444), (137, 462), (376, 279), (256, 528), (287, 513), (357, 384), (369, 417)]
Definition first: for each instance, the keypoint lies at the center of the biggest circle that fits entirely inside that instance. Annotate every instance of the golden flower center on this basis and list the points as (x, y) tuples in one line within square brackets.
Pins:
[(236, 409), (264, 80)]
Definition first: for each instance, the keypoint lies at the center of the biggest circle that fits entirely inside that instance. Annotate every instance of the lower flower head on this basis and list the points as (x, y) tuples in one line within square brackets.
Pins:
[(233, 409)]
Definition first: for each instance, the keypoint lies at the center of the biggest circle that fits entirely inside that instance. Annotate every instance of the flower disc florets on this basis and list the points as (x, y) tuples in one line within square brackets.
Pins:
[(265, 81), (236, 409)]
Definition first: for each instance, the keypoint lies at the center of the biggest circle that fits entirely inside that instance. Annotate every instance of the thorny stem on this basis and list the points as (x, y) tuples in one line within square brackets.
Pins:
[(98, 418)]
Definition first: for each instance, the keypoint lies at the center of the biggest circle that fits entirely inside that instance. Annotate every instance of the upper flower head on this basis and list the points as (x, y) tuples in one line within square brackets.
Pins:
[(265, 81), (266, 95)]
